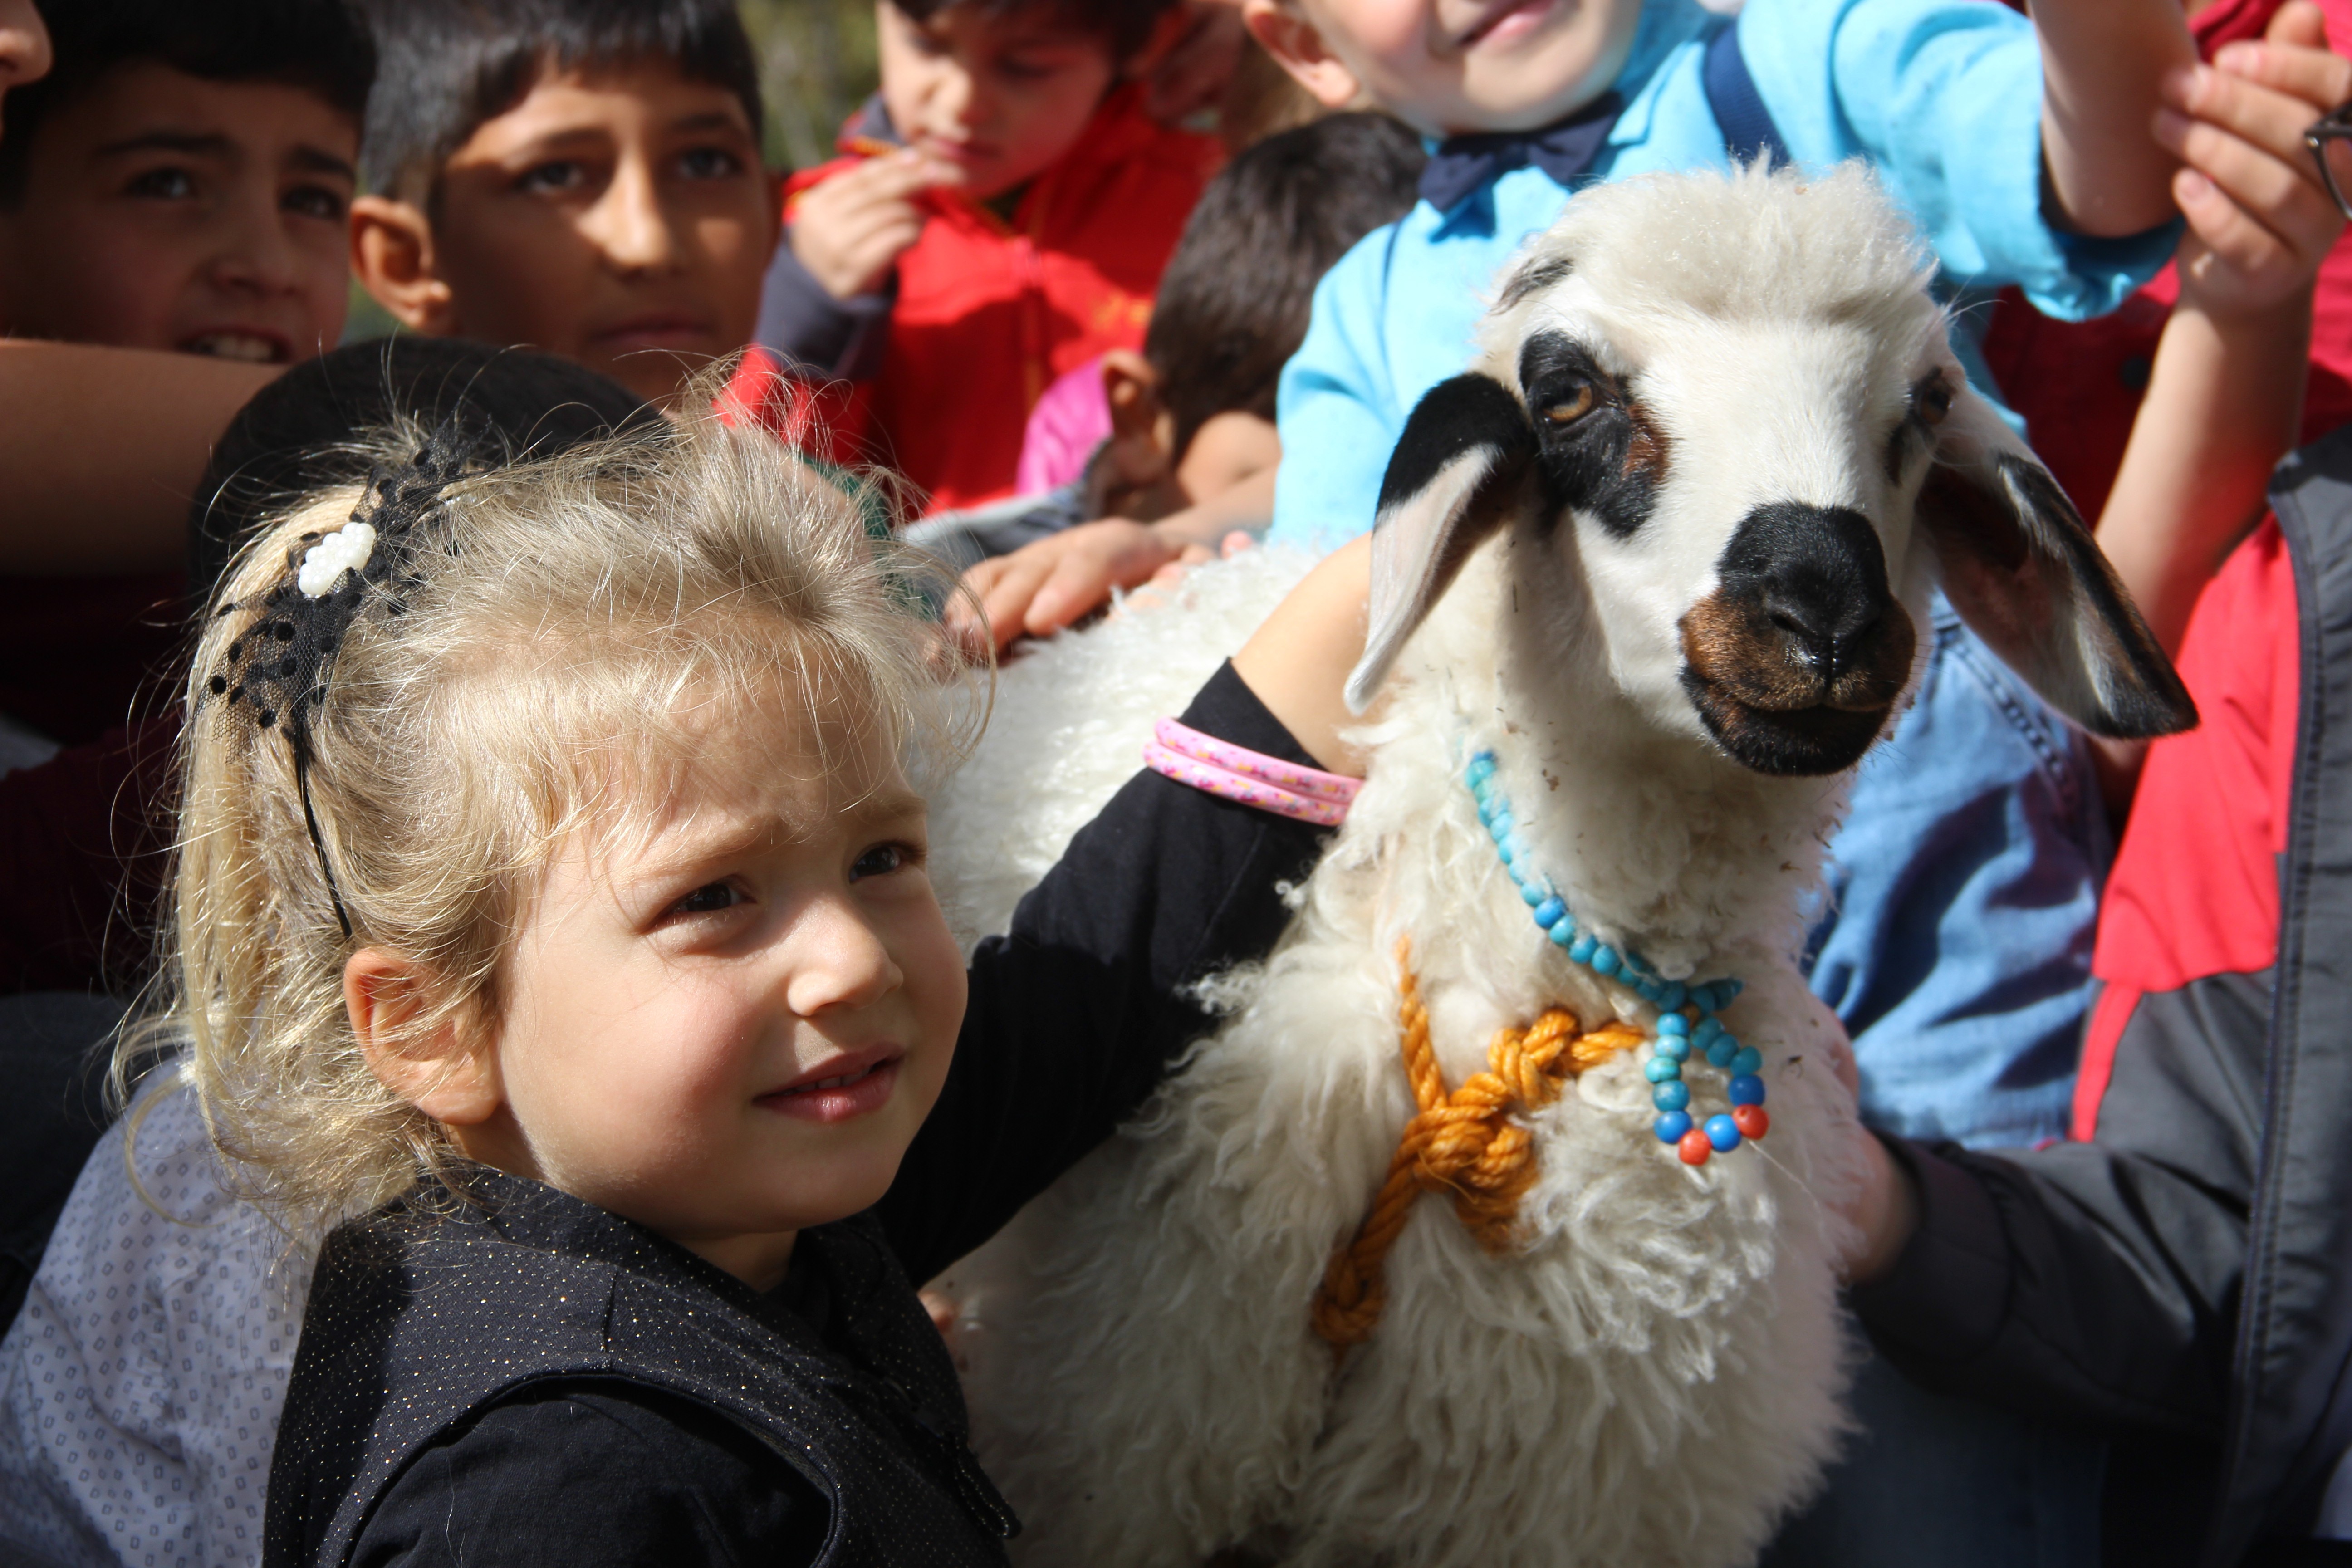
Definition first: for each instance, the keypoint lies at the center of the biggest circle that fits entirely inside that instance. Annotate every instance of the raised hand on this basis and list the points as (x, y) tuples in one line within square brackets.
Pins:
[(2259, 219), (850, 230)]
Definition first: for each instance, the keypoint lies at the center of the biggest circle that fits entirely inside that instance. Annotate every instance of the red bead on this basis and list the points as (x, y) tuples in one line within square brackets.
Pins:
[(1694, 1149), (1751, 1120)]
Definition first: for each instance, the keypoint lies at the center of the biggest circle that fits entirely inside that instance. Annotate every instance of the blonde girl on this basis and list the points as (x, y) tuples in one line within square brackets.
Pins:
[(552, 899)]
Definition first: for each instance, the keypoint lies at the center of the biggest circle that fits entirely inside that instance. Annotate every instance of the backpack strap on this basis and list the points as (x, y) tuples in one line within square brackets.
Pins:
[(1740, 112)]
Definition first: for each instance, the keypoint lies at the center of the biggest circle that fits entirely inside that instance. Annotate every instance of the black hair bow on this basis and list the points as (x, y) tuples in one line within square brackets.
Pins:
[(278, 669)]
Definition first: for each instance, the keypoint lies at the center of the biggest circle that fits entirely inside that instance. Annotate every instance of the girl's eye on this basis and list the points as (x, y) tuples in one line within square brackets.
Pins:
[(167, 185), (708, 163), (881, 860), (709, 900), (314, 201), (560, 175)]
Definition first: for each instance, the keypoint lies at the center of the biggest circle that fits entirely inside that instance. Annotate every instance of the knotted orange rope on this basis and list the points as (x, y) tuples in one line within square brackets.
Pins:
[(1462, 1143)]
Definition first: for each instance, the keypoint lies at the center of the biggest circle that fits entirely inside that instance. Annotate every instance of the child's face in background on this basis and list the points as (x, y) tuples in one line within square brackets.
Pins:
[(1449, 66), (1000, 96), (620, 218), (24, 45), (164, 211), (731, 1029)]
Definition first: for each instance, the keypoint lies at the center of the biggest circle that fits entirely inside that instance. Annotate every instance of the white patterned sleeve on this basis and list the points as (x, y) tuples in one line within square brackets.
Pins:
[(140, 1384)]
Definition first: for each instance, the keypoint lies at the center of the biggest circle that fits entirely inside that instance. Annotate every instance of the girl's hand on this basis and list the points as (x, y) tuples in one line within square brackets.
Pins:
[(2259, 219), (850, 230)]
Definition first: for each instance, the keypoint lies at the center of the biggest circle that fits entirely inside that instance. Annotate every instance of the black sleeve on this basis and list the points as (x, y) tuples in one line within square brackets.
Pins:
[(599, 1475), (1077, 1012), (835, 339), (2097, 1282)]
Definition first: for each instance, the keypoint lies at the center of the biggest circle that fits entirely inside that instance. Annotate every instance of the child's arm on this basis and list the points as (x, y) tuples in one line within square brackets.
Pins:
[(103, 449), (2102, 61), (1076, 1012), (2225, 398), (1042, 587)]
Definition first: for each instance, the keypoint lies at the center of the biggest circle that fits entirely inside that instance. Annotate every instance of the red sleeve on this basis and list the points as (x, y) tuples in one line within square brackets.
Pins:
[(2195, 887)]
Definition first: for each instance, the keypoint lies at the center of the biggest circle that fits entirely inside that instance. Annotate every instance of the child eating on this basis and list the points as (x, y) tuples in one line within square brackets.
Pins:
[(1001, 217), (553, 869), (1183, 424)]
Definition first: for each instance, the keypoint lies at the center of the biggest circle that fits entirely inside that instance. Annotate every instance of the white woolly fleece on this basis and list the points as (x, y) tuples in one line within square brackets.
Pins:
[(1656, 1376)]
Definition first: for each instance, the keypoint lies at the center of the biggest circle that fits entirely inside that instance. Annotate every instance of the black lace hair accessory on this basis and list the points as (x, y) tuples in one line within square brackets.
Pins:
[(277, 670)]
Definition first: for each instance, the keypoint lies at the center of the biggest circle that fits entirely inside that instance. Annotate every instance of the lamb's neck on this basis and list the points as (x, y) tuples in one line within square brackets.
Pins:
[(1656, 840)]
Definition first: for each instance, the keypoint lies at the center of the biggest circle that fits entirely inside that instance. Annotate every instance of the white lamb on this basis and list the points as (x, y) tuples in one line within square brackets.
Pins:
[(1652, 576)]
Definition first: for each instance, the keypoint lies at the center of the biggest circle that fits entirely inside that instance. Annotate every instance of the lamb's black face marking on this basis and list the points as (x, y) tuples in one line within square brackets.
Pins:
[(1453, 418), (1597, 447)]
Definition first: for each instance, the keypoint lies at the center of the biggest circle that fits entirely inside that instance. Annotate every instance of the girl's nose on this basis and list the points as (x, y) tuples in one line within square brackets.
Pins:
[(839, 961)]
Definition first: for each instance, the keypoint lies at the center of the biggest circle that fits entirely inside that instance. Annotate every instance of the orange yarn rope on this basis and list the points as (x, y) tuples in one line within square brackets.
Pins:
[(1462, 1143)]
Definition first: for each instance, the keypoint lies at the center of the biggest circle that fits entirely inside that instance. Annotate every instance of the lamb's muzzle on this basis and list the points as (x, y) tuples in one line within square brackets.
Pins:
[(1797, 658)]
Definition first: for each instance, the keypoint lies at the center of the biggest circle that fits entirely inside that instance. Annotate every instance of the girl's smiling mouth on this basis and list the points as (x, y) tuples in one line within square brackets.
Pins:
[(843, 1089)]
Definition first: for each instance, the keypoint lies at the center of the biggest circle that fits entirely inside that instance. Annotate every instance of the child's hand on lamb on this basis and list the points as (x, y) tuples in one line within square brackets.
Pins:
[(1041, 588), (2259, 219), (1164, 583), (850, 230)]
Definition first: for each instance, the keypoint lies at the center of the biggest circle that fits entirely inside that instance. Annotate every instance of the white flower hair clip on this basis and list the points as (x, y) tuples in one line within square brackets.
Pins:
[(324, 564)]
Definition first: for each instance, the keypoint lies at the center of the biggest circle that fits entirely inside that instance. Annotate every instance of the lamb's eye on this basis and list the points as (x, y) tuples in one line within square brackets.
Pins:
[(1573, 406), (1932, 400)]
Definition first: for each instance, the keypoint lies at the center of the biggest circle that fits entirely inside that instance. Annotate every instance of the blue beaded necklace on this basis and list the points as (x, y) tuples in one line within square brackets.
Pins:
[(1686, 1012)]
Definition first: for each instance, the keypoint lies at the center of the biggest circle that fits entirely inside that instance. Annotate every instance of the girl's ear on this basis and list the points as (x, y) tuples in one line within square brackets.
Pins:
[(392, 255), (1297, 47), (444, 1073)]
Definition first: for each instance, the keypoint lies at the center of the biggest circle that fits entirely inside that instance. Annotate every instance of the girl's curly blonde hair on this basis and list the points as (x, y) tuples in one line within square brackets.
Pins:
[(556, 644)]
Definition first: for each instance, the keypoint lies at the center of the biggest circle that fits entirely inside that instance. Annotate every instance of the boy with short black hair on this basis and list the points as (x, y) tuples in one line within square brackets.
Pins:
[(180, 182), (580, 176), (1001, 217)]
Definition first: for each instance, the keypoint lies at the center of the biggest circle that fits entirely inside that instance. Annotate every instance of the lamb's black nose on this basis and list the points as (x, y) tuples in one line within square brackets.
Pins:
[(1818, 575)]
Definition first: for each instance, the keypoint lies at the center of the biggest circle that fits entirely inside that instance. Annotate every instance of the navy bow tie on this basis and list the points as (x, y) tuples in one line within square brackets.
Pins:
[(1565, 150)]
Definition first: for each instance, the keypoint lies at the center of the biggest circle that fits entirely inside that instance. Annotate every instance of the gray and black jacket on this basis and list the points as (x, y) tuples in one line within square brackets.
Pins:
[(2184, 1282)]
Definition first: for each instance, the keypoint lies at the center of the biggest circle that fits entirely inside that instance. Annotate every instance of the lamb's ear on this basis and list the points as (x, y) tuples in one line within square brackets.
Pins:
[(1453, 479), (2021, 570)]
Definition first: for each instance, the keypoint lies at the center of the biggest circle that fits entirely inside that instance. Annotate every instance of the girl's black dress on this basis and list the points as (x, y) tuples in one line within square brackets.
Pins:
[(523, 1378)]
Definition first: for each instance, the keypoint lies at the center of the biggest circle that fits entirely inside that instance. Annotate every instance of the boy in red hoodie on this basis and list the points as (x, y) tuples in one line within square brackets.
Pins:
[(1000, 216)]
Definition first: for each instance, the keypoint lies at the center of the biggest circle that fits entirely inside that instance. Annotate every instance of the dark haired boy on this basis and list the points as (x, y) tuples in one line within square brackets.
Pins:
[(1191, 416), (180, 180), (1001, 218), (579, 176)]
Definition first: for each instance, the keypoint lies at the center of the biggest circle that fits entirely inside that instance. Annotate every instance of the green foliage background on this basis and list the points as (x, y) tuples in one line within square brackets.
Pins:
[(816, 64)]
